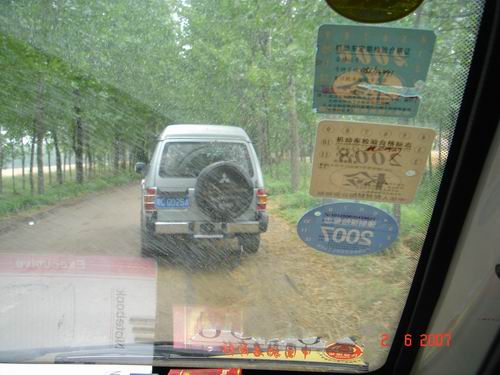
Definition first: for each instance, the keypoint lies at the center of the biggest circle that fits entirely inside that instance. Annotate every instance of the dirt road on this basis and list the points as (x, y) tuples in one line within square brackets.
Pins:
[(285, 290)]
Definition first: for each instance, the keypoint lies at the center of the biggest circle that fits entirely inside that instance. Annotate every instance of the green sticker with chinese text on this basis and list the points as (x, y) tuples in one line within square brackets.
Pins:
[(370, 70)]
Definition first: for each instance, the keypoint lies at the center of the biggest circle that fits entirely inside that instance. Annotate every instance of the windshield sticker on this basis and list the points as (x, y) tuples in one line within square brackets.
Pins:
[(343, 350), (348, 229), (52, 302), (367, 70), (366, 161), (218, 332), (206, 371), (374, 11)]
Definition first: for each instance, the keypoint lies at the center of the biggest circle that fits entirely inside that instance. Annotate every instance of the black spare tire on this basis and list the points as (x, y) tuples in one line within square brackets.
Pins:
[(223, 191)]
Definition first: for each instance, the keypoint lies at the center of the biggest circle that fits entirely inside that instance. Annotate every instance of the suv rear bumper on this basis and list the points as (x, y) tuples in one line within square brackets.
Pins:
[(201, 228)]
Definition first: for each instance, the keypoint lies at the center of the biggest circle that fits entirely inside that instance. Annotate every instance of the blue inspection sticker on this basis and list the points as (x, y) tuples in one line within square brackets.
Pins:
[(348, 229)]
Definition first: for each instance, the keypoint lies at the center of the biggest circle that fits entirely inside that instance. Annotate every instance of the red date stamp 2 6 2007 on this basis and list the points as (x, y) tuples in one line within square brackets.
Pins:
[(422, 340)]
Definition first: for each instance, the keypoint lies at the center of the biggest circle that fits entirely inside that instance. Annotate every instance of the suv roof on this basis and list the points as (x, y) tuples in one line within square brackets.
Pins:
[(204, 131)]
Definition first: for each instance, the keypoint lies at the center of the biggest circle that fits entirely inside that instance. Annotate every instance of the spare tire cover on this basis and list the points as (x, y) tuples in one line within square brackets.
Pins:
[(223, 191)]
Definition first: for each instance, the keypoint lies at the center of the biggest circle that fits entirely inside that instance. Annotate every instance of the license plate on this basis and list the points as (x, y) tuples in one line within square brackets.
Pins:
[(165, 202)]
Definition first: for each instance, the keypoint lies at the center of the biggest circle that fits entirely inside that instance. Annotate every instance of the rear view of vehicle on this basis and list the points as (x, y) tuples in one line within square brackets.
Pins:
[(204, 183)]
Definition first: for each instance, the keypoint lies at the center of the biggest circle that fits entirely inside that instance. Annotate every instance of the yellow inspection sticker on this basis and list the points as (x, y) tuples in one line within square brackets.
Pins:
[(368, 161)]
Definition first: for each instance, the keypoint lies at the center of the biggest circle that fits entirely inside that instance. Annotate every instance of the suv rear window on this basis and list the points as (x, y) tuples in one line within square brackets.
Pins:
[(187, 159)]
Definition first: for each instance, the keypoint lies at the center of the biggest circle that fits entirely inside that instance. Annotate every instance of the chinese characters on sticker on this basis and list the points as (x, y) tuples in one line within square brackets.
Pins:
[(366, 161), (348, 228), (368, 70)]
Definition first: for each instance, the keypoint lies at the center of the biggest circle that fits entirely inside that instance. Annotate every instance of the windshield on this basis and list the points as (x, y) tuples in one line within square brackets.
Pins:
[(188, 159), (300, 258)]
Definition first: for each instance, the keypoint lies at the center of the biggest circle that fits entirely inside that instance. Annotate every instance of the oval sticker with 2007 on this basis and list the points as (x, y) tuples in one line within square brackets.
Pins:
[(348, 229)]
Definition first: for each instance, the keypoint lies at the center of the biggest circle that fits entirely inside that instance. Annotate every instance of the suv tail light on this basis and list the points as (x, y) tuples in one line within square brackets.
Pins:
[(261, 199), (149, 199)]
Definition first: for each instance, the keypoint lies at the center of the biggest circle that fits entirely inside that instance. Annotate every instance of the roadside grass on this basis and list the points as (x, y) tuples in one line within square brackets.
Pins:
[(13, 202)]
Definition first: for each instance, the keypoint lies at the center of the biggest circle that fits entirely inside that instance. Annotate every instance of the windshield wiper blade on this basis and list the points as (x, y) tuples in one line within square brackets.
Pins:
[(145, 353), (138, 353)]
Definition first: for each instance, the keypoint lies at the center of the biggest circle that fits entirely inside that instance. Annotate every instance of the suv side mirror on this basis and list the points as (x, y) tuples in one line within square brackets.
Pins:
[(140, 167)]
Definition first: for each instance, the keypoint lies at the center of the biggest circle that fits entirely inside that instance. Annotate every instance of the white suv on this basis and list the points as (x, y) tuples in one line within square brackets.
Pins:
[(203, 182)]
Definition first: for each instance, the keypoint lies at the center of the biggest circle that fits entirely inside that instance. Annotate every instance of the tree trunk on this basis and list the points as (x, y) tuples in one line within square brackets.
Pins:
[(65, 159), (262, 131), (70, 166), (264, 43), (293, 123), (97, 164), (123, 157), (1, 162), (116, 155), (130, 160), (39, 130), (49, 165), (32, 161), (23, 165), (78, 139), (86, 165), (90, 161), (13, 157), (59, 173)]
